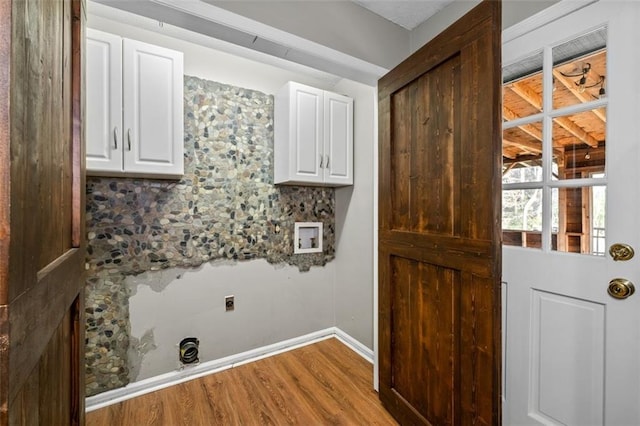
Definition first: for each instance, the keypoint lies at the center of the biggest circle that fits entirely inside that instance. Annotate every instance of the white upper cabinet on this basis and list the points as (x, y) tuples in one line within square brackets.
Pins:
[(313, 132), (338, 135), (104, 101), (134, 108)]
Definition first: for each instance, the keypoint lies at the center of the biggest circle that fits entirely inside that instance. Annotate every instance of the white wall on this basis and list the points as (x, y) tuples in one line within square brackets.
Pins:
[(273, 303), (208, 58), (354, 223)]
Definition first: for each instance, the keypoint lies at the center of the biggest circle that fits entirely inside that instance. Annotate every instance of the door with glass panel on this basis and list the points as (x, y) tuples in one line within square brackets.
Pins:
[(571, 132)]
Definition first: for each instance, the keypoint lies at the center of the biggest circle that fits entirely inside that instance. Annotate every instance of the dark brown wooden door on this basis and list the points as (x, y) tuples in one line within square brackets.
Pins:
[(41, 213), (439, 239)]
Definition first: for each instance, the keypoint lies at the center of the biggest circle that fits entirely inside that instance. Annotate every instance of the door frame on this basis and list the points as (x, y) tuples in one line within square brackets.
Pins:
[(525, 26)]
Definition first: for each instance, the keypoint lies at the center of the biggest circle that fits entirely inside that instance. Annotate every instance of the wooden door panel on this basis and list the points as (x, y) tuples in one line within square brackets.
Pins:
[(51, 297), (426, 299), (40, 167), (54, 371), (44, 394), (439, 239), (480, 340), (481, 141), (416, 181), (24, 408), (440, 343), (42, 277)]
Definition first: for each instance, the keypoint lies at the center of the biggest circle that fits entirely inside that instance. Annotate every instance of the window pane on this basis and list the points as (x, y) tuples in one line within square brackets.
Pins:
[(580, 68), (579, 144), (522, 89), (522, 153), (581, 220), (522, 217)]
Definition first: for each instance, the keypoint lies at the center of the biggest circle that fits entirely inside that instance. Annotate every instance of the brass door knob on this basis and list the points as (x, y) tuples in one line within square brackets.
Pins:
[(620, 288)]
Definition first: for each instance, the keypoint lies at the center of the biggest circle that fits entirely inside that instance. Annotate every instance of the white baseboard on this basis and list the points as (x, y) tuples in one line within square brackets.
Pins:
[(354, 345), (172, 378)]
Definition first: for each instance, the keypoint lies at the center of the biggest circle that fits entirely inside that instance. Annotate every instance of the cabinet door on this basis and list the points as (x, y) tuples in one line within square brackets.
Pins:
[(338, 139), (104, 102), (306, 154), (153, 105)]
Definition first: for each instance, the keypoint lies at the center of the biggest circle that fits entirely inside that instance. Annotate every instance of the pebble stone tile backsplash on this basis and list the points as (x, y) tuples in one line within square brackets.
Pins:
[(225, 207)]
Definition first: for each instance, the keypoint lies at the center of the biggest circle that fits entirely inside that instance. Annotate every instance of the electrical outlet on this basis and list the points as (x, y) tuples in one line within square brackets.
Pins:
[(229, 303)]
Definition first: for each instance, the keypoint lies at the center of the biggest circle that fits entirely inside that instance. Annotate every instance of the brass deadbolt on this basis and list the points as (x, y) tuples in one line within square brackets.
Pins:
[(621, 252), (620, 288)]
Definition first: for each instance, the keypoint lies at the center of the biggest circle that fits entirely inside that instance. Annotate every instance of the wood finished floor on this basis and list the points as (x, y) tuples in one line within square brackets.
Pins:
[(321, 384)]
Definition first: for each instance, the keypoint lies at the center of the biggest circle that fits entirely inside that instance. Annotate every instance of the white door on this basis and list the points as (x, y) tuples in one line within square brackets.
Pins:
[(338, 139), (572, 351), (153, 107), (104, 101)]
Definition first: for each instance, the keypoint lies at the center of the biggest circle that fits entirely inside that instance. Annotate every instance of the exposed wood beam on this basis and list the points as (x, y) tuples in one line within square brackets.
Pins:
[(529, 129), (577, 131), (509, 167), (582, 97), (531, 147), (521, 159), (537, 159), (528, 94), (506, 154), (527, 146)]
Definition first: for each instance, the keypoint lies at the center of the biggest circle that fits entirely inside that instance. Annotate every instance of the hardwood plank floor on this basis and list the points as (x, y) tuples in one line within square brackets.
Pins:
[(321, 384)]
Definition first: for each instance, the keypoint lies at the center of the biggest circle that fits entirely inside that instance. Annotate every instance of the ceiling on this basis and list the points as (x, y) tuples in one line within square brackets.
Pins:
[(407, 14), (209, 18)]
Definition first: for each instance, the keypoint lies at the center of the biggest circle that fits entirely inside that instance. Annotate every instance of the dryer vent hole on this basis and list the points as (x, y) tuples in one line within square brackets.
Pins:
[(189, 348)]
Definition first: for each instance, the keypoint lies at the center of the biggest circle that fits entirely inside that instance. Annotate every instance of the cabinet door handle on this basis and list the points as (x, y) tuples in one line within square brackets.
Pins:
[(115, 137), (327, 166), (321, 160), (129, 138)]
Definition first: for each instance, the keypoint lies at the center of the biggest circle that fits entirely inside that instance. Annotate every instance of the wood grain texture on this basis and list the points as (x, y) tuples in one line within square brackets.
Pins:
[(40, 284), (5, 142), (24, 407), (78, 194), (426, 298), (78, 108), (440, 238), (54, 371), (78, 361), (5, 194), (44, 395), (29, 98), (4, 364), (324, 383)]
